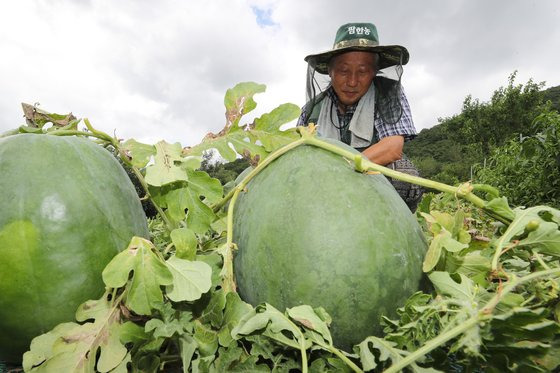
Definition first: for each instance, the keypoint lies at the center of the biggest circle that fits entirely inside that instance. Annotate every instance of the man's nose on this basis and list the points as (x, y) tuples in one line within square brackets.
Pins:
[(352, 80)]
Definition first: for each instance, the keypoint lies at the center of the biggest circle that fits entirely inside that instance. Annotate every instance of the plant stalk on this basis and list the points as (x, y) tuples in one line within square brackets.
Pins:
[(345, 359), (79, 133), (228, 282), (432, 344), (463, 191), (367, 165)]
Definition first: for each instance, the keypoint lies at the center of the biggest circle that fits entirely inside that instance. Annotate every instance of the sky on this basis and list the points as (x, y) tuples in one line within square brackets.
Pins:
[(159, 70)]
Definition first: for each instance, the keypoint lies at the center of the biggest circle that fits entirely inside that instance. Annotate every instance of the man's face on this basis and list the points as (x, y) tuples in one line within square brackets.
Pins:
[(351, 75)]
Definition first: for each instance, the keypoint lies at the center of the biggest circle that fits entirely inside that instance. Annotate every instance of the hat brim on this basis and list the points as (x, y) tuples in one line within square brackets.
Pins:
[(389, 55)]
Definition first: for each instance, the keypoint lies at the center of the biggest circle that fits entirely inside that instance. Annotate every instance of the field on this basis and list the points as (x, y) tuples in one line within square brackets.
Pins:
[(491, 272)]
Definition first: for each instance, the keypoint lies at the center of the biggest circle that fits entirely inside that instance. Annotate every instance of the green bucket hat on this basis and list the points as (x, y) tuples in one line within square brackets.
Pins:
[(359, 37)]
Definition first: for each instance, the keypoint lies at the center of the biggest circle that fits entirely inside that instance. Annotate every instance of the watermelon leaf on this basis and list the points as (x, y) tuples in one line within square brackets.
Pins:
[(188, 346), (140, 154), (191, 279), (444, 284), (235, 310), (185, 242), (214, 311), (205, 186), (169, 165), (254, 139), (387, 352), (546, 239), (149, 273), (72, 347), (239, 101), (206, 338), (199, 216), (275, 325), (165, 329), (306, 316)]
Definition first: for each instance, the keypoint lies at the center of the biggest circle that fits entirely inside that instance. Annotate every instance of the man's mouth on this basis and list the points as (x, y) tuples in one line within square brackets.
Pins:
[(351, 94)]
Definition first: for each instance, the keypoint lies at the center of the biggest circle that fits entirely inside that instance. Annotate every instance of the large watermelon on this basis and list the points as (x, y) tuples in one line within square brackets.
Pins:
[(311, 230), (66, 208)]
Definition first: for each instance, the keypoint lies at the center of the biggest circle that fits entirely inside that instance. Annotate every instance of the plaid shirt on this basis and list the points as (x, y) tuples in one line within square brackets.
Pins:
[(403, 127)]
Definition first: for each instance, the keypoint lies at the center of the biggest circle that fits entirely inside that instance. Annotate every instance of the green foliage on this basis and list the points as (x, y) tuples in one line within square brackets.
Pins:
[(468, 286), (448, 151), (553, 95), (527, 169), (509, 112)]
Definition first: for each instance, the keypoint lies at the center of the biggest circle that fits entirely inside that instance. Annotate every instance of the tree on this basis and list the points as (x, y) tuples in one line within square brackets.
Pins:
[(447, 151), (225, 172), (527, 168), (509, 113)]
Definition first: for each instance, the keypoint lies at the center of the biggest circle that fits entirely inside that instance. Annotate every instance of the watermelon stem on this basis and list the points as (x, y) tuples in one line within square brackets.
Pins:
[(341, 356), (147, 195), (228, 282), (308, 137), (464, 191)]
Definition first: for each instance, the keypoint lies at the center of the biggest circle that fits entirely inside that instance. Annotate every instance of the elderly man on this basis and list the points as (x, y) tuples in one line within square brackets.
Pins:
[(363, 104)]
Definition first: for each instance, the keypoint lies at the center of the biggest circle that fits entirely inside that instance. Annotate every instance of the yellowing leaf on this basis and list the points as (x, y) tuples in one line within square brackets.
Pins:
[(444, 219), (442, 240), (94, 346), (434, 252), (239, 101)]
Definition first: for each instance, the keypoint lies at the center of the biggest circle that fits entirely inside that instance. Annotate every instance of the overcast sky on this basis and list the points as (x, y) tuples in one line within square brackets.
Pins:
[(153, 70)]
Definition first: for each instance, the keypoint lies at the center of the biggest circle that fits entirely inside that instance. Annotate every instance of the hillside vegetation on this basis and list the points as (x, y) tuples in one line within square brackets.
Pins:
[(510, 142)]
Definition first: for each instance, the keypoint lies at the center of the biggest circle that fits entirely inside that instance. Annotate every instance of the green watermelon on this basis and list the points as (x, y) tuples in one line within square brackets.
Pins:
[(66, 208), (312, 230)]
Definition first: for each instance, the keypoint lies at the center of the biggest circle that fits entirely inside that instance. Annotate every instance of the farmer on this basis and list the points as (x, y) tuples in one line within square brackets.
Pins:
[(363, 103)]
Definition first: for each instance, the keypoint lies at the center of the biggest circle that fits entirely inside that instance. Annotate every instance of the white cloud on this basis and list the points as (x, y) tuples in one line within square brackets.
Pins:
[(160, 70)]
